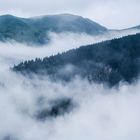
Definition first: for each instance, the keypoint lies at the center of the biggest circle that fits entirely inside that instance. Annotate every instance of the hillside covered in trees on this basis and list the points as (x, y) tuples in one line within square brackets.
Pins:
[(106, 62)]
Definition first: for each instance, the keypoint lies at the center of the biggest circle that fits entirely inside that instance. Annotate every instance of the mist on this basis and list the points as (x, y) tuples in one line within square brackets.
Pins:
[(16, 52), (98, 112)]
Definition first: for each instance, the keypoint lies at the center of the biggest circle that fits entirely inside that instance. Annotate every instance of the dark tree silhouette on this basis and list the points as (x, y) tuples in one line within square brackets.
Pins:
[(110, 62)]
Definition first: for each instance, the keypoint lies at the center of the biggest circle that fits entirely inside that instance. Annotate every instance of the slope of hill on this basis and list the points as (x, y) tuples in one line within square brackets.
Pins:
[(13, 28), (108, 62), (35, 30)]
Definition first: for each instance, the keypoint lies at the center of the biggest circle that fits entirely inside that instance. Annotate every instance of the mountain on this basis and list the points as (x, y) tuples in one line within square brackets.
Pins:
[(106, 62), (35, 30), (14, 28)]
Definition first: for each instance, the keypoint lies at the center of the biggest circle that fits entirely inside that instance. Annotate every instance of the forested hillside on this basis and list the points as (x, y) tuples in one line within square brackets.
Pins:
[(108, 62)]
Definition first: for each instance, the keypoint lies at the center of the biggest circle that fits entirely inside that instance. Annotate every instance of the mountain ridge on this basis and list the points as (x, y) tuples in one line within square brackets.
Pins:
[(35, 30)]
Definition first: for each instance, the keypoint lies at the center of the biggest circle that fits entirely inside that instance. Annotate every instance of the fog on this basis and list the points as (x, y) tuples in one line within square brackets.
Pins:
[(98, 112), (59, 43)]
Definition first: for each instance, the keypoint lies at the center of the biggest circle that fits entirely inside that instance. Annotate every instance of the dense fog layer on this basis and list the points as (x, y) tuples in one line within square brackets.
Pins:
[(97, 112)]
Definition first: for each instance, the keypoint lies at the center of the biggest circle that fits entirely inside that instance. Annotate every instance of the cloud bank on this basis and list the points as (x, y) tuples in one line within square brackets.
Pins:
[(99, 112), (15, 52)]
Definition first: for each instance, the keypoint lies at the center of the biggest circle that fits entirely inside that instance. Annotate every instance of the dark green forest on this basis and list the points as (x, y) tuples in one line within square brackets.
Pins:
[(106, 62)]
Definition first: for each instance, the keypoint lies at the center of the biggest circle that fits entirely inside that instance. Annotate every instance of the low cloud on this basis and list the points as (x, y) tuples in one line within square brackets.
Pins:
[(15, 52), (99, 112)]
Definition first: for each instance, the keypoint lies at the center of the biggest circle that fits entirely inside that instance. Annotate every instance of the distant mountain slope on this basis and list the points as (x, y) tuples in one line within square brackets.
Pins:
[(13, 28), (108, 62), (34, 30)]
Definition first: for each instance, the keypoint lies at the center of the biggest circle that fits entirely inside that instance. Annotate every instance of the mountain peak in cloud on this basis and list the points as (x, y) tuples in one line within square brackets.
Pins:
[(35, 30), (74, 22)]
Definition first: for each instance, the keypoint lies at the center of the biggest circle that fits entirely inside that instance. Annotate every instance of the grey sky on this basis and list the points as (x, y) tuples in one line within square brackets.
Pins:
[(110, 13)]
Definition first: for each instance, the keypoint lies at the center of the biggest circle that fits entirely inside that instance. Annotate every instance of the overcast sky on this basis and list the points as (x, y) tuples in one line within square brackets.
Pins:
[(110, 13)]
